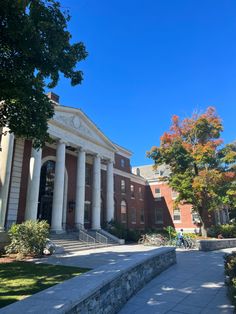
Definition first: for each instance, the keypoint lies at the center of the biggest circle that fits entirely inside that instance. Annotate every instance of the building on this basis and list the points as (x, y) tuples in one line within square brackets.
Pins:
[(80, 180), (161, 209), (83, 180)]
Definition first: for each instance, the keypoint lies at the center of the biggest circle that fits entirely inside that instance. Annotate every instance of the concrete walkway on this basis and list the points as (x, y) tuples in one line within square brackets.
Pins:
[(194, 285), (94, 258)]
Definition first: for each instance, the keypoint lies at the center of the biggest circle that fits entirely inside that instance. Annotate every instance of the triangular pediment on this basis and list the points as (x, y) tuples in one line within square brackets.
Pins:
[(74, 120)]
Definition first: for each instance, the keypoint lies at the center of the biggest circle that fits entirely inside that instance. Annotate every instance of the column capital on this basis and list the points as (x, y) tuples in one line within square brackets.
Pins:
[(110, 161), (80, 150), (61, 141), (97, 155)]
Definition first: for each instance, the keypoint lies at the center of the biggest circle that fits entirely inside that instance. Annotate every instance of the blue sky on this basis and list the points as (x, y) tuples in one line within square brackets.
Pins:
[(150, 59)]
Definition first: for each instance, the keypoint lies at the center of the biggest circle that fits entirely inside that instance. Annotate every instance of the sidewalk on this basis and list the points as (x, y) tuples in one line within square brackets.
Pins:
[(194, 285)]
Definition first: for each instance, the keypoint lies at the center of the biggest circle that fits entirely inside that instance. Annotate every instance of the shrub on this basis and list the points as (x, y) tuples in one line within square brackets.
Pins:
[(230, 272), (227, 231), (171, 232), (117, 229), (133, 235), (28, 238)]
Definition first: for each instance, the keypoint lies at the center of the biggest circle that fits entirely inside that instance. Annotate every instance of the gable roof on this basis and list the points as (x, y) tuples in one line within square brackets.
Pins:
[(76, 121)]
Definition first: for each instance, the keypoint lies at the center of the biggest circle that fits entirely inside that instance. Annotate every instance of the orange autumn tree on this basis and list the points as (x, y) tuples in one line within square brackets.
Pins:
[(203, 172)]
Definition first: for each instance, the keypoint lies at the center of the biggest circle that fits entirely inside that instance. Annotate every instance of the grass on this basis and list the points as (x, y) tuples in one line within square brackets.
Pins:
[(22, 279)]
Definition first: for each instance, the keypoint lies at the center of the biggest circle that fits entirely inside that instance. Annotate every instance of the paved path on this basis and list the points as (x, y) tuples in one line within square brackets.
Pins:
[(194, 285), (93, 258)]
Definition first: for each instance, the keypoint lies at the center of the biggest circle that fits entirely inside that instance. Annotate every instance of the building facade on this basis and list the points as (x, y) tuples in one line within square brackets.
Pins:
[(83, 180)]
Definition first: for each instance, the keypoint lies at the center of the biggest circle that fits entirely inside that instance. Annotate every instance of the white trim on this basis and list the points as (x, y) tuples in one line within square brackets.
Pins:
[(123, 151), (131, 176)]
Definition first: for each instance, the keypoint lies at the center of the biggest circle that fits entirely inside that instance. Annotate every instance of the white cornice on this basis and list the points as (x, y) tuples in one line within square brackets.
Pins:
[(123, 151), (131, 176)]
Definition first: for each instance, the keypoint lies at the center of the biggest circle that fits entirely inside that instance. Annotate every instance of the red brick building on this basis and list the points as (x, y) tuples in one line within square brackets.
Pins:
[(82, 180)]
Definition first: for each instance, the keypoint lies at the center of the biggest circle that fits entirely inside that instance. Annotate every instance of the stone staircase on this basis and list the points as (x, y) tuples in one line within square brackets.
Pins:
[(70, 242)]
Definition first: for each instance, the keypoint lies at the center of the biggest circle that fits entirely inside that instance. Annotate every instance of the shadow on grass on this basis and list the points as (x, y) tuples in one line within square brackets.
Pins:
[(22, 279)]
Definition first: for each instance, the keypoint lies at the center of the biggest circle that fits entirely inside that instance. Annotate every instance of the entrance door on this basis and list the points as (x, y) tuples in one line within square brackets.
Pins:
[(45, 210), (46, 191)]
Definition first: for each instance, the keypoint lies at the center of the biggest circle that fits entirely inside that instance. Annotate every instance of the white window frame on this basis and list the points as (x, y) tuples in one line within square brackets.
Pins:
[(174, 214), (157, 195)]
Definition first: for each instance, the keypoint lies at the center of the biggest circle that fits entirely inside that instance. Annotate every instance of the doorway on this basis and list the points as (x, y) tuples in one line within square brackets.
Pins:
[(46, 191)]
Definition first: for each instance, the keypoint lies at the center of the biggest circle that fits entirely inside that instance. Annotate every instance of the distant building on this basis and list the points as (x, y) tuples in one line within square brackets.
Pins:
[(160, 198)]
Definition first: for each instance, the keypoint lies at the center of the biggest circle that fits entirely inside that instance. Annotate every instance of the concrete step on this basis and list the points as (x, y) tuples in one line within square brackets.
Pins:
[(70, 245)]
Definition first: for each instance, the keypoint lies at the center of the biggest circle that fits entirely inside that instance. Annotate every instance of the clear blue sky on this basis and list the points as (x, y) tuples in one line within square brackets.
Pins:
[(150, 59)]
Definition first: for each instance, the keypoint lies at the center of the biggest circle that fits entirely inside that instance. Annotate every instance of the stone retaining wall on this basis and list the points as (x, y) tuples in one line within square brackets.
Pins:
[(100, 291), (216, 244)]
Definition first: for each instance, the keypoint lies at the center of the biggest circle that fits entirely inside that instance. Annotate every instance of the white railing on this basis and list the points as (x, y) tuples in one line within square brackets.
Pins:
[(85, 237), (101, 238)]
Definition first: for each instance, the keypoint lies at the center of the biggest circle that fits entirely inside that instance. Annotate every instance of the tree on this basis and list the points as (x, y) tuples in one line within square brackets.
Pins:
[(34, 49), (202, 170)]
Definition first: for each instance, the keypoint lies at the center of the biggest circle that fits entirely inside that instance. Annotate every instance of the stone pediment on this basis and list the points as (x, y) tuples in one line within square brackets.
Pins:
[(76, 121)]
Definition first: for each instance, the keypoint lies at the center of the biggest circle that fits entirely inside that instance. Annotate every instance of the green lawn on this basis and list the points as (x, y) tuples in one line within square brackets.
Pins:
[(21, 279)]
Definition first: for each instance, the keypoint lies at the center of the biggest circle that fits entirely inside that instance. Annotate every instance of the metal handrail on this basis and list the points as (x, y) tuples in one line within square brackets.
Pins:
[(101, 238), (80, 226), (85, 237)]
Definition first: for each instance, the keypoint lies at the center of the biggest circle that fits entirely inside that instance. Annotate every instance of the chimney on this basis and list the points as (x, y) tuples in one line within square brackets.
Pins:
[(53, 97)]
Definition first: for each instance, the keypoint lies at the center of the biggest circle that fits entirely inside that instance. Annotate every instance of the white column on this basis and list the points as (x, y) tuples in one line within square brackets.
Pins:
[(33, 184), (110, 191), (58, 193), (6, 155), (96, 197), (80, 189)]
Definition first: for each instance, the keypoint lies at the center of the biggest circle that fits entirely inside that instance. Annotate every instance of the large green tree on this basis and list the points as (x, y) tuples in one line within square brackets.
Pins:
[(35, 49), (202, 169)]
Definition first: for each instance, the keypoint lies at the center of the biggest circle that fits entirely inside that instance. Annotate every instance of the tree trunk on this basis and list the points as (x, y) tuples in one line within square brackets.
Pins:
[(203, 228)]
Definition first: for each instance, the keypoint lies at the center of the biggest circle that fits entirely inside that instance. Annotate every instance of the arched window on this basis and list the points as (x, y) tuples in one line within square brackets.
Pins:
[(46, 191), (47, 178), (123, 210)]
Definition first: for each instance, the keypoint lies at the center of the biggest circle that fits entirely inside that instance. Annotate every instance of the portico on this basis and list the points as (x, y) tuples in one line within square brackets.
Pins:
[(76, 138)]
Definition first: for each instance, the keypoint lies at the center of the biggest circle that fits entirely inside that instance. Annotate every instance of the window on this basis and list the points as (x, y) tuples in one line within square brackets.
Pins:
[(174, 194), (132, 190), (87, 211), (122, 186), (195, 217), (87, 175), (122, 163), (159, 172), (123, 210), (157, 194), (142, 219), (133, 215), (140, 192), (158, 215), (47, 178), (177, 215)]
